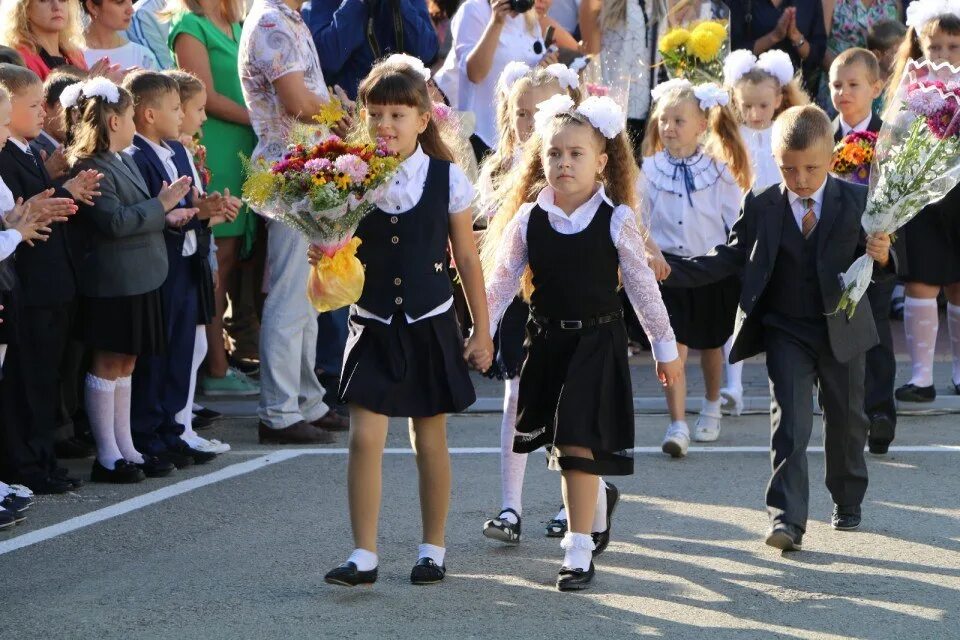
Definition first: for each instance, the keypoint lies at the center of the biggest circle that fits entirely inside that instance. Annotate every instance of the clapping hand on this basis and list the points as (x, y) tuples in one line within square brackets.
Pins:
[(210, 205), (179, 217), (783, 24), (83, 186), (55, 163), (103, 67), (793, 33), (171, 194), (49, 209), (27, 221)]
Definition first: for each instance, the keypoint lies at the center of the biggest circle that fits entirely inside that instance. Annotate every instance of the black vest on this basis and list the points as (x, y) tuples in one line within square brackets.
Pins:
[(575, 277), (794, 288), (404, 254)]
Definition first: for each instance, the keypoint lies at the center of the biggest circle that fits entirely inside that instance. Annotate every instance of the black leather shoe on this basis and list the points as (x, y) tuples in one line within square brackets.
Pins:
[(347, 575), (426, 571), (123, 472), (574, 579), (72, 449), (878, 447), (556, 528), (198, 457), (7, 519), (60, 473), (602, 538), (845, 518), (786, 537), (913, 393), (501, 529), (881, 433), (207, 414), (178, 459), (199, 422), (956, 388), (154, 467), (49, 486)]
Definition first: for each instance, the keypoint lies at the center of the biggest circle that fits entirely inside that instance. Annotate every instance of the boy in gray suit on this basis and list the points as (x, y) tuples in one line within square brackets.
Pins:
[(790, 244)]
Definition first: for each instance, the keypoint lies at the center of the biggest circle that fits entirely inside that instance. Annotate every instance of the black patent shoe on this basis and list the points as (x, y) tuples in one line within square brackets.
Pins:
[(557, 528), (123, 472), (845, 518), (913, 393), (154, 467), (426, 571), (347, 575), (503, 530), (574, 579), (785, 536), (602, 538)]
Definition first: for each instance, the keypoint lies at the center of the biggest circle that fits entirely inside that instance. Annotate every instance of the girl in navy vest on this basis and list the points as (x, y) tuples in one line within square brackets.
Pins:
[(563, 233), (405, 355)]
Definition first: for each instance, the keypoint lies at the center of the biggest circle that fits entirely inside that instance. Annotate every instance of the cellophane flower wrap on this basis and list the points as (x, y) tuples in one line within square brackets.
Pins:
[(322, 187), (697, 41), (853, 157), (916, 161)]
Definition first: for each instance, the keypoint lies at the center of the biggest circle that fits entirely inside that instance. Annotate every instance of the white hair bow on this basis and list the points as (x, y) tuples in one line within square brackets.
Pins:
[(71, 95), (602, 112), (670, 85), (920, 12), (567, 77), (711, 95), (414, 63), (101, 87), (510, 74), (742, 61)]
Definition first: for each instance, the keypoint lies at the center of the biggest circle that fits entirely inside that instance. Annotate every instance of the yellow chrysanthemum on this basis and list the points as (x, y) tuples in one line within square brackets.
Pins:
[(718, 29), (674, 39), (704, 45), (259, 187)]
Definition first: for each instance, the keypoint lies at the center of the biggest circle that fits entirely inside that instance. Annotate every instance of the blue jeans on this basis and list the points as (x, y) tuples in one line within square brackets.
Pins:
[(332, 340)]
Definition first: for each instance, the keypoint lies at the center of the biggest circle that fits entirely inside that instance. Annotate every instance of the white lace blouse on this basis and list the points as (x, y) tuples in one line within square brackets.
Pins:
[(759, 144), (638, 279)]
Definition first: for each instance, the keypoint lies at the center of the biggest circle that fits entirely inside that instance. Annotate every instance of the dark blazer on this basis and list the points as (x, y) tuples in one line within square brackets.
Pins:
[(125, 254), (874, 127), (752, 251), (47, 271), (42, 143)]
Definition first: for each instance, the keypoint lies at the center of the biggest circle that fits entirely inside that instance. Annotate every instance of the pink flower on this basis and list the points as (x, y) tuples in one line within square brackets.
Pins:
[(441, 112), (353, 167), (318, 165), (595, 89)]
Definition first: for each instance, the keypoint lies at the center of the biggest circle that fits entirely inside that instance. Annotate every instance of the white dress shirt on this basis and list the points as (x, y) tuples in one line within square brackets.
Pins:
[(165, 153), (800, 210), (846, 129), (691, 224), (10, 238), (22, 145), (759, 144), (403, 193)]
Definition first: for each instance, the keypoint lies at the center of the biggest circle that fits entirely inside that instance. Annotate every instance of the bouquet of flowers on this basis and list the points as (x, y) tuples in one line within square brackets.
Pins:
[(916, 161), (853, 156), (322, 188), (697, 42)]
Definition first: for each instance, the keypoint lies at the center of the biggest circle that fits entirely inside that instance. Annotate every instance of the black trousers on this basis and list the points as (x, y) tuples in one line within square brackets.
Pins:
[(881, 370), (796, 361)]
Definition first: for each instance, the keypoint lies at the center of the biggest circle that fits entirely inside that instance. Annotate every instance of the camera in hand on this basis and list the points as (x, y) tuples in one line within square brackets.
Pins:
[(521, 6)]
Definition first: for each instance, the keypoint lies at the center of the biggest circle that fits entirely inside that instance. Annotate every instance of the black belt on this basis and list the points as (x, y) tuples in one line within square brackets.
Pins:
[(577, 325)]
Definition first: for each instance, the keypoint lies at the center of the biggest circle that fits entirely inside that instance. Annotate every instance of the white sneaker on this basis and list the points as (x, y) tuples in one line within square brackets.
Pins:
[(677, 440), (707, 428), (732, 400), (206, 446)]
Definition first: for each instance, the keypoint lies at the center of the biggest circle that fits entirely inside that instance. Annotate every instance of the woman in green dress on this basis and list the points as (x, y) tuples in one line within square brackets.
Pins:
[(204, 39)]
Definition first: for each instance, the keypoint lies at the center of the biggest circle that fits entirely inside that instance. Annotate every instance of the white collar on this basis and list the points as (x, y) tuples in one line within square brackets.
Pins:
[(162, 150), (412, 165), (545, 200), (861, 126), (817, 196), (53, 141), (23, 146)]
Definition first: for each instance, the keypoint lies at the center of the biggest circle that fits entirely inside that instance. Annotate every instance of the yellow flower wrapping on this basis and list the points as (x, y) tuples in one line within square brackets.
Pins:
[(336, 281)]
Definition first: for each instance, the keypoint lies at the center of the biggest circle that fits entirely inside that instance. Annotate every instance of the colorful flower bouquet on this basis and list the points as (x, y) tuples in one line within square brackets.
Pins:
[(322, 190), (853, 156), (916, 161), (697, 42)]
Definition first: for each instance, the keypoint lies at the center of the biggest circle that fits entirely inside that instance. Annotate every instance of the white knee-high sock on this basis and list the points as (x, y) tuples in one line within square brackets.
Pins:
[(185, 415), (100, 405), (920, 323), (732, 372), (121, 421), (600, 515), (953, 325), (513, 466)]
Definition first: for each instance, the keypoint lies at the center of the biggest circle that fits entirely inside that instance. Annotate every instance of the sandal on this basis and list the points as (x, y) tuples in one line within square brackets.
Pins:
[(503, 530), (556, 528)]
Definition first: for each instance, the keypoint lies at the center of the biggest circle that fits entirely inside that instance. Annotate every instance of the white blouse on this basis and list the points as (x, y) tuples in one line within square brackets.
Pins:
[(10, 238), (516, 43), (759, 144), (127, 55), (690, 223), (403, 194), (638, 279)]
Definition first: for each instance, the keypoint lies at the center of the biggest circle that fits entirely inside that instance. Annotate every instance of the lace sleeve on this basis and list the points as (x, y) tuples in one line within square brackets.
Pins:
[(641, 286), (504, 282)]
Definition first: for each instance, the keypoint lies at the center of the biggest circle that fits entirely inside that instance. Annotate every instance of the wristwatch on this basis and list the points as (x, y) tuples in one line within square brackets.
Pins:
[(799, 43)]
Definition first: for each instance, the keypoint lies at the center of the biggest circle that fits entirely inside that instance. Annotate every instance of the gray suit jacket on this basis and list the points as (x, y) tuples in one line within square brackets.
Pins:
[(42, 143), (125, 251), (752, 251)]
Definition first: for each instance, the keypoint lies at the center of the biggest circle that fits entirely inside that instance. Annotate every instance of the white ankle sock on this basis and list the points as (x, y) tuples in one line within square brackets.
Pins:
[(185, 415), (513, 466), (732, 372), (578, 550), (920, 323), (100, 405), (953, 325), (711, 407), (600, 515), (435, 553), (365, 560), (121, 421), (562, 514)]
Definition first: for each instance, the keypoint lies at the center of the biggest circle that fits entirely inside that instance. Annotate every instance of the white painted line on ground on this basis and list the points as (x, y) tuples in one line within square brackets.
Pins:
[(341, 451), (141, 501)]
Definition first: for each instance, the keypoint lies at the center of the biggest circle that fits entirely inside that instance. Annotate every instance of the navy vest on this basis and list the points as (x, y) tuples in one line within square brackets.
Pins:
[(575, 277), (794, 288), (404, 255)]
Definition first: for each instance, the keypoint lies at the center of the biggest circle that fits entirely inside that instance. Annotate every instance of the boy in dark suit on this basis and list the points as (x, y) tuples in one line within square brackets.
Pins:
[(49, 143), (854, 84), (790, 244), (48, 289)]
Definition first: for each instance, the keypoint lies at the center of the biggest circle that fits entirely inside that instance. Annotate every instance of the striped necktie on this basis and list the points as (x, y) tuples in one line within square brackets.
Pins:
[(809, 220)]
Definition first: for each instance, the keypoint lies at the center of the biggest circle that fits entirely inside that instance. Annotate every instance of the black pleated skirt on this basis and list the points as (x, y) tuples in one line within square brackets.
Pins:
[(406, 370), (132, 325), (509, 352), (207, 303), (575, 390), (703, 317), (931, 242)]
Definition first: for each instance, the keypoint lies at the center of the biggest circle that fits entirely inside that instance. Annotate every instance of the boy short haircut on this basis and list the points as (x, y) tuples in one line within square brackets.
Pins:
[(55, 83), (885, 34), (16, 78), (147, 87), (801, 128), (189, 84), (9, 55), (856, 55)]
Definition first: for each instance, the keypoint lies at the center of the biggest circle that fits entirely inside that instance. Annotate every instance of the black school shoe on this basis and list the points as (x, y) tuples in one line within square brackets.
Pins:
[(881, 434), (845, 518), (347, 575), (154, 467), (7, 519), (602, 538), (574, 579), (61, 473), (123, 472), (207, 414), (556, 528), (503, 530), (182, 449), (426, 571), (913, 393), (72, 448), (786, 537)]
